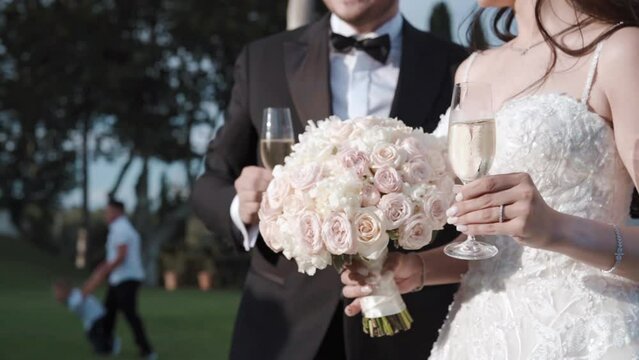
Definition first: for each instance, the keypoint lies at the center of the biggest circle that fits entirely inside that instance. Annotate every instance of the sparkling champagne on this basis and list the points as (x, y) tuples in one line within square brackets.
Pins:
[(274, 151), (471, 148)]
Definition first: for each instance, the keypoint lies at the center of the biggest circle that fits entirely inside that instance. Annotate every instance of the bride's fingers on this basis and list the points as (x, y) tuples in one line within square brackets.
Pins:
[(488, 215), (356, 291), (353, 308), (485, 201), (491, 184), (511, 228)]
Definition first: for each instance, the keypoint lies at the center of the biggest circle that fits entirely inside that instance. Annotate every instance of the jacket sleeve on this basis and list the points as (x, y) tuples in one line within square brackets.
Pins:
[(233, 148)]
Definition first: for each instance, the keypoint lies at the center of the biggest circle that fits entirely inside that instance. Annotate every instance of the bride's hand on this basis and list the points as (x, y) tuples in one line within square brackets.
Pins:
[(407, 270), (526, 216)]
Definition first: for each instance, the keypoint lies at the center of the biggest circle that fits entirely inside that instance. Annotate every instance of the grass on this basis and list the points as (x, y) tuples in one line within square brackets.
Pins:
[(186, 324)]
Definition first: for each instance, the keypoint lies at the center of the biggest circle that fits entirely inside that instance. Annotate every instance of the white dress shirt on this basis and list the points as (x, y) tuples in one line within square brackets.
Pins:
[(360, 86), (122, 232)]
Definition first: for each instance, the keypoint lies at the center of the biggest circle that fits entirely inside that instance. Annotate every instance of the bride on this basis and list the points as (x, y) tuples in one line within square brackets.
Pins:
[(565, 284)]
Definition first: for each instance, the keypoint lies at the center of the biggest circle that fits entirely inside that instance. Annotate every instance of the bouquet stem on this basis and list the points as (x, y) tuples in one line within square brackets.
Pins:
[(384, 311), (387, 325)]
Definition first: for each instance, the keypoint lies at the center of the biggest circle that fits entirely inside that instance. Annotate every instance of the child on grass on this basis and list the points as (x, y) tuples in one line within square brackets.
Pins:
[(91, 311)]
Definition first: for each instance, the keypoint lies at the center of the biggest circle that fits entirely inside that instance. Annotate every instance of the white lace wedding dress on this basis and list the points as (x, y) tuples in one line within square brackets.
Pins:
[(534, 304)]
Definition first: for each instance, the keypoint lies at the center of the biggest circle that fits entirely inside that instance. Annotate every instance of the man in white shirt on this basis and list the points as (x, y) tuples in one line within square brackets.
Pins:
[(362, 59), (123, 267)]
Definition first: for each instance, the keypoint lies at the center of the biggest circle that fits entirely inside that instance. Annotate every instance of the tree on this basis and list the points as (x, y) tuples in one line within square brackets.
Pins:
[(140, 75), (440, 22)]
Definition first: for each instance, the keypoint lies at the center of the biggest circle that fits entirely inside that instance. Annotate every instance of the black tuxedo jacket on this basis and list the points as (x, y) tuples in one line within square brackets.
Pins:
[(284, 314)]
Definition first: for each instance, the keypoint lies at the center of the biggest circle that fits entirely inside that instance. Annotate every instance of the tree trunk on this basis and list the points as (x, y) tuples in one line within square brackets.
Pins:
[(85, 174), (123, 171), (299, 13)]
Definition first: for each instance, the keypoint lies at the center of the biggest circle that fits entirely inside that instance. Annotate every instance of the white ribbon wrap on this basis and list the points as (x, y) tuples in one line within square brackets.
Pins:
[(385, 299)]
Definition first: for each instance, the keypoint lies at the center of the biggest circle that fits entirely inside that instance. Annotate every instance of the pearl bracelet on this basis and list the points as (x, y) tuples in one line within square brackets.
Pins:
[(618, 250)]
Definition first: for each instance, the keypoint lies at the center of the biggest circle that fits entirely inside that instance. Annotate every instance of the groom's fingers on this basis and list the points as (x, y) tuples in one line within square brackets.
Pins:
[(353, 308)]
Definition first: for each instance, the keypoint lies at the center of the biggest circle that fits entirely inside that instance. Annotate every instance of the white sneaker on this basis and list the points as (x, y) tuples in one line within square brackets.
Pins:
[(117, 346)]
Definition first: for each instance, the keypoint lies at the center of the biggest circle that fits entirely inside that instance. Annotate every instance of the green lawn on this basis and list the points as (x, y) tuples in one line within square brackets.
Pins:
[(186, 324)]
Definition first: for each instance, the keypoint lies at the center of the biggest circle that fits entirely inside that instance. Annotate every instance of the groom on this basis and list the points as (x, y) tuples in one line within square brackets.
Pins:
[(316, 71)]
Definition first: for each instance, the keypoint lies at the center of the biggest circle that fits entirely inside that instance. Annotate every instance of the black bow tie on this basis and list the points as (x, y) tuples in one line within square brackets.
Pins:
[(378, 48)]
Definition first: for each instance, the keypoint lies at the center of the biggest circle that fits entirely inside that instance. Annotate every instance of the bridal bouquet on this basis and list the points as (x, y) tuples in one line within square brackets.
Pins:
[(348, 189)]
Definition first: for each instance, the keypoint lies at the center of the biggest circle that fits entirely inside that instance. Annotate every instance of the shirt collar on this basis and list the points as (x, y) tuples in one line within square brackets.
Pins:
[(392, 27), (117, 220)]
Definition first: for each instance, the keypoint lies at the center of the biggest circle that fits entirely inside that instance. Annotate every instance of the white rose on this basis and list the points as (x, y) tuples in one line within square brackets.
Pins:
[(304, 177), (277, 191), (416, 171)]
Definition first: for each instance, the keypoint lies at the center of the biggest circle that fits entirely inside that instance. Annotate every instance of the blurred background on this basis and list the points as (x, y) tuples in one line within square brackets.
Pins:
[(119, 98)]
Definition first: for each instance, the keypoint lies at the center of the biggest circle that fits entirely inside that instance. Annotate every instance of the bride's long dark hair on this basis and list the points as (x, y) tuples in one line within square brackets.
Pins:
[(621, 13)]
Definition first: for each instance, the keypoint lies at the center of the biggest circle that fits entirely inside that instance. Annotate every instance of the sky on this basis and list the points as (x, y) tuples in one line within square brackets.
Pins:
[(417, 12), (102, 173)]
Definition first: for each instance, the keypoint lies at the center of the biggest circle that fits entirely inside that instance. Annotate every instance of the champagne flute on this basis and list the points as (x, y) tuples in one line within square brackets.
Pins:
[(471, 149), (277, 136)]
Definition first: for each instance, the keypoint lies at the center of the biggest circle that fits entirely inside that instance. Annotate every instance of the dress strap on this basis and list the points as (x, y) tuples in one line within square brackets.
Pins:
[(591, 73), (471, 60)]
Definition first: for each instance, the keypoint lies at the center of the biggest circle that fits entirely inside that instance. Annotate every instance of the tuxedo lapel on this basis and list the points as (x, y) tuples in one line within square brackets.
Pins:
[(422, 70), (306, 64)]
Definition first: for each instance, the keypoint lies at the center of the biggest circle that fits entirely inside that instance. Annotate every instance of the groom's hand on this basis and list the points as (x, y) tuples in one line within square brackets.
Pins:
[(252, 182)]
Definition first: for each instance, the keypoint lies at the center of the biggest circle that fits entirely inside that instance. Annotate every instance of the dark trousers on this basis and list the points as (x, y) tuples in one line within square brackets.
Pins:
[(123, 297), (100, 340), (332, 346)]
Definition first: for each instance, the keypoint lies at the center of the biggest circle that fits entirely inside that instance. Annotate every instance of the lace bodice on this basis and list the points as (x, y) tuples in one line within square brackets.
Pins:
[(527, 303)]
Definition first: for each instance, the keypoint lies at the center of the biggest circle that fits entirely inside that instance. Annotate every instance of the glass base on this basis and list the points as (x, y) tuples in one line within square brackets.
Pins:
[(470, 250)]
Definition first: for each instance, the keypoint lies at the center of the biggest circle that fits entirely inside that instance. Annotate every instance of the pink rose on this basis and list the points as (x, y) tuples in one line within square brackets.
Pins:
[(370, 234), (387, 180), (304, 177), (271, 234), (415, 233), (387, 155), (310, 231), (370, 195), (413, 147), (417, 172), (396, 209), (435, 208), (357, 160), (337, 233), (277, 191)]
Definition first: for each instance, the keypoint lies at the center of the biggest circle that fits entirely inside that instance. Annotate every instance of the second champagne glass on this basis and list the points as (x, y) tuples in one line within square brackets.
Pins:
[(471, 149), (277, 136)]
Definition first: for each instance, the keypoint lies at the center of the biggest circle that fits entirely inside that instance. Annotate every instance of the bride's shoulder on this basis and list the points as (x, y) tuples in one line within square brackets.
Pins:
[(476, 59), (619, 56), (621, 49)]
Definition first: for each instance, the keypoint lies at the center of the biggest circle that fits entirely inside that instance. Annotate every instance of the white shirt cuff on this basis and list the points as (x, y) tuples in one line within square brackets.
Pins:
[(249, 235)]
